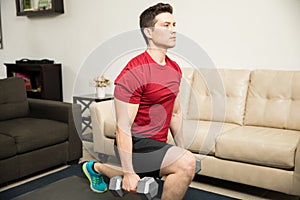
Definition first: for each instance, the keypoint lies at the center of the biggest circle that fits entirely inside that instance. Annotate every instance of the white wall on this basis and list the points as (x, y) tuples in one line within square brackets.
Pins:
[(234, 33)]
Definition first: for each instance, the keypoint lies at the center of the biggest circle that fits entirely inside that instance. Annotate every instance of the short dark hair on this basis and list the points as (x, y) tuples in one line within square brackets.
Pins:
[(147, 18)]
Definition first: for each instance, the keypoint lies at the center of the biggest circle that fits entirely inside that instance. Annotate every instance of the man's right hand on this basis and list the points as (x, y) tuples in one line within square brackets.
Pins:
[(130, 182)]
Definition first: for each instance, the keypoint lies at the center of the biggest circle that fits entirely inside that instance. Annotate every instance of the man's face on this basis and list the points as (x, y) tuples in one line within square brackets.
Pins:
[(164, 31)]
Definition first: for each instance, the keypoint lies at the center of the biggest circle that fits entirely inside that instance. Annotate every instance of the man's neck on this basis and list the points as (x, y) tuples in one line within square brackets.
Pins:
[(158, 55)]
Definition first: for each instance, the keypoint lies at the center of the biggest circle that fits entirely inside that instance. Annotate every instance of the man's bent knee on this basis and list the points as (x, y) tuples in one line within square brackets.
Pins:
[(187, 163), (179, 160)]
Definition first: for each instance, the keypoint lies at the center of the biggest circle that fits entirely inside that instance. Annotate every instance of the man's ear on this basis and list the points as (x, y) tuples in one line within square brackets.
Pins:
[(148, 32)]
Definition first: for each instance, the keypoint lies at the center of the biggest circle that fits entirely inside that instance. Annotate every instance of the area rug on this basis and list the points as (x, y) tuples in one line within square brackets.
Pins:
[(70, 183)]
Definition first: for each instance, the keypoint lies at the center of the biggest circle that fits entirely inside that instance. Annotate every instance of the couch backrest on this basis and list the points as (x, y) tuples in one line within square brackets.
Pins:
[(13, 98), (216, 94), (185, 89), (274, 99)]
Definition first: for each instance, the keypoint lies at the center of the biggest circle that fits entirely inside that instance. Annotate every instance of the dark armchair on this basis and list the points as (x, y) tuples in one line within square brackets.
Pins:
[(35, 134)]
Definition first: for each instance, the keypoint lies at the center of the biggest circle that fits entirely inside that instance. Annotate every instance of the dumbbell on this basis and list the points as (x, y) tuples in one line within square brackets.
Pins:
[(147, 187), (198, 166)]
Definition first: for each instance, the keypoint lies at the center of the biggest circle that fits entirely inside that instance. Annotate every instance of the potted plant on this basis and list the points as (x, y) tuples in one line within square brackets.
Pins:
[(100, 82)]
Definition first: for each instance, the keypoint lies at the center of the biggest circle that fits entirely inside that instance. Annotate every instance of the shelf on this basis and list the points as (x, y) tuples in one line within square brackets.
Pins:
[(35, 95), (42, 81), (55, 7)]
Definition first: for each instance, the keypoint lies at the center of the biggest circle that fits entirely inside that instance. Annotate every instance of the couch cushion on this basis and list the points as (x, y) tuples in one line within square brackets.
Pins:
[(200, 136), (219, 95), (30, 133), (274, 99), (7, 146), (259, 145), (13, 99)]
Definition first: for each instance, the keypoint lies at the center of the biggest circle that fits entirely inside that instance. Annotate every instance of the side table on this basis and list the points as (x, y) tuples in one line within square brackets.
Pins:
[(86, 101)]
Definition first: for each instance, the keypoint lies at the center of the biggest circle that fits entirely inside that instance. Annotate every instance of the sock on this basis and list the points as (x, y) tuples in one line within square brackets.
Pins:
[(93, 168)]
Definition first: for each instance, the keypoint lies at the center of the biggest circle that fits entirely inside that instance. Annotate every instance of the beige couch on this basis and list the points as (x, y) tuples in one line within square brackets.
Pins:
[(243, 125)]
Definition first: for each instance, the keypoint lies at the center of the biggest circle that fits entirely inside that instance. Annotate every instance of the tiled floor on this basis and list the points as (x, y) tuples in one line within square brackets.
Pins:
[(213, 185)]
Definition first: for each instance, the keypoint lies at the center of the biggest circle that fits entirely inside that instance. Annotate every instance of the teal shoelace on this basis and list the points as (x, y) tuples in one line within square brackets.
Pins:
[(97, 180)]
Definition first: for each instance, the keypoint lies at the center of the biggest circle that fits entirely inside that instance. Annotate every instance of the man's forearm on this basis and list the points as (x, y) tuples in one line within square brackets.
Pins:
[(124, 144), (125, 115)]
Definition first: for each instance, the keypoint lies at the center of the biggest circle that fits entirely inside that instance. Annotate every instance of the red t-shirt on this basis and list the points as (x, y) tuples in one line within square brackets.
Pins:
[(154, 87)]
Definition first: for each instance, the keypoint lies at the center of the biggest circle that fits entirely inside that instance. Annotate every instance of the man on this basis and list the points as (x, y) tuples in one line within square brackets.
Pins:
[(147, 106)]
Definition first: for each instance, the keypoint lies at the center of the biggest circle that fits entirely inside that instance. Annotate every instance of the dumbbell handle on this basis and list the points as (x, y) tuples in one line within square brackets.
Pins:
[(147, 187), (198, 166)]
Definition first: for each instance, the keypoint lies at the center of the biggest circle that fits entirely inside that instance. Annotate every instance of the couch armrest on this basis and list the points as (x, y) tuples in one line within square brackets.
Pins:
[(47, 109), (103, 123), (296, 179), (63, 112)]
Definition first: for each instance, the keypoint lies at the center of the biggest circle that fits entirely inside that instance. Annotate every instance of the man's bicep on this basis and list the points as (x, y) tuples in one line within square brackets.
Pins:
[(125, 114)]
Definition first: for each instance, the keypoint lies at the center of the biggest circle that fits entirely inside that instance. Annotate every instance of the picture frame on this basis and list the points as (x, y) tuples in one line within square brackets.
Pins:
[(31, 8)]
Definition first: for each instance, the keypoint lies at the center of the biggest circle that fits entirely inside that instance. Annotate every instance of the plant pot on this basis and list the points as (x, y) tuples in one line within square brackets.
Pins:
[(100, 92), (35, 4)]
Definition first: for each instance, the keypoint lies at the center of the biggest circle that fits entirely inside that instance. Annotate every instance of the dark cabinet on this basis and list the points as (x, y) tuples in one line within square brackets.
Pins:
[(39, 7), (42, 81)]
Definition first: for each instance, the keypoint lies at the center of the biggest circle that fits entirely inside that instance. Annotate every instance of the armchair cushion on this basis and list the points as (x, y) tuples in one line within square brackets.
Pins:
[(7, 146), (13, 99), (24, 131)]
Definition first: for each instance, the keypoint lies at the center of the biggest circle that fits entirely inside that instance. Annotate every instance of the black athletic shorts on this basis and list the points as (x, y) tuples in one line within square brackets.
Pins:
[(147, 156)]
